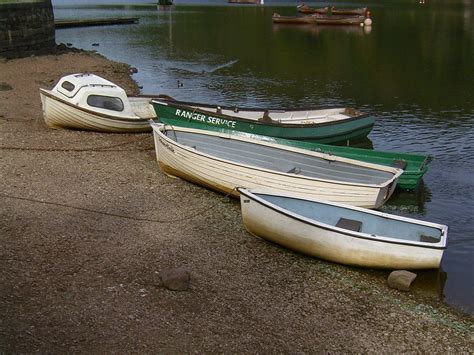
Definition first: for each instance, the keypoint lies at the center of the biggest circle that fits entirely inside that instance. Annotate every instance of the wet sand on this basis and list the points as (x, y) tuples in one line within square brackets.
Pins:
[(88, 221)]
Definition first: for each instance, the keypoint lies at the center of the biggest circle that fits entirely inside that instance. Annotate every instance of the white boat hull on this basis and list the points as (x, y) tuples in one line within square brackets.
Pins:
[(59, 114), (310, 239), (225, 176)]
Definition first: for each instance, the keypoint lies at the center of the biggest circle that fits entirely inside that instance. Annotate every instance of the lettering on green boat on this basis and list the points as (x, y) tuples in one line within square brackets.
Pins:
[(217, 121)]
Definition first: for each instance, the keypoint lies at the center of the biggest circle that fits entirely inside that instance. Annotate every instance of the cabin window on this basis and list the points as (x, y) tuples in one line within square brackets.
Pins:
[(68, 86), (107, 102)]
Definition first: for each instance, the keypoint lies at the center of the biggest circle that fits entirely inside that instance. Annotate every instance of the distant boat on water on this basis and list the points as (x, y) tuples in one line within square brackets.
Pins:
[(354, 11), (305, 9), (297, 20), (255, 2), (321, 19)]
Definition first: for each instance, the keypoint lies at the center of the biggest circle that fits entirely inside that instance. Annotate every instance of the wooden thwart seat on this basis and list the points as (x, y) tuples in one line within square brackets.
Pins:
[(428, 239), (350, 224), (294, 170), (399, 164)]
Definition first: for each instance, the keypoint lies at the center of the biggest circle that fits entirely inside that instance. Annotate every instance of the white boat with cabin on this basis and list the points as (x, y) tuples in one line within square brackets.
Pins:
[(89, 102)]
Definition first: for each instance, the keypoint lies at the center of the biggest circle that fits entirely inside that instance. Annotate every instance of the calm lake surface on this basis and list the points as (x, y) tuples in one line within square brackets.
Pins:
[(413, 69)]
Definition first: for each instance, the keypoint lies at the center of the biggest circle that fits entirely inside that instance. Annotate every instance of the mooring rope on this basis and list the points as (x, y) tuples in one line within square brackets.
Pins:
[(103, 148), (57, 204)]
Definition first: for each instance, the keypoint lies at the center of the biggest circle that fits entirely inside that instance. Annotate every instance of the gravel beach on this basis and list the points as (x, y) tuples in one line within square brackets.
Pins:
[(88, 222)]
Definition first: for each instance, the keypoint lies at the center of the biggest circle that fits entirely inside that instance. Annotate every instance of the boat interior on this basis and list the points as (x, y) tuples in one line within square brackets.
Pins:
[(282, 116), (142, 107), (353, 220), (280, 159)]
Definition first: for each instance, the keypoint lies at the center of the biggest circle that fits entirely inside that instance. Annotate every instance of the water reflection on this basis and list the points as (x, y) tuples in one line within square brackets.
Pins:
[(430, 283), (164, 7), (316, 30), (410, 202)]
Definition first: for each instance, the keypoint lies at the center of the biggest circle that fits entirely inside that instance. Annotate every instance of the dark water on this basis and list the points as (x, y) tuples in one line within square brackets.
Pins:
[(414, 70)]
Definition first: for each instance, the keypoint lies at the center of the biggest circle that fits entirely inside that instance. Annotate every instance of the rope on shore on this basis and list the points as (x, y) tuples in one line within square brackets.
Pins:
[(88, 149), (201, 212)]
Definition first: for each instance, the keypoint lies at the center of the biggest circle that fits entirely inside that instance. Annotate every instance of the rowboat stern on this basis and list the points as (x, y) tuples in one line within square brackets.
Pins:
[(388, 189), (46, 108)]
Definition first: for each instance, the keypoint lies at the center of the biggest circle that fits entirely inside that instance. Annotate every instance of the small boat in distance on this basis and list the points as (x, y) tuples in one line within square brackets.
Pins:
[(338, 19), (89, 102), (322, 125), (255, 2), (354, 11), (301, 20), (343, 234), (305, 9), (165, 2), (224, 162)]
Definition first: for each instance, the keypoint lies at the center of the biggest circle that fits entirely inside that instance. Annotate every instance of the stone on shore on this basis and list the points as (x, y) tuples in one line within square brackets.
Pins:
[(401, 279), (176, 279), (5, 87)]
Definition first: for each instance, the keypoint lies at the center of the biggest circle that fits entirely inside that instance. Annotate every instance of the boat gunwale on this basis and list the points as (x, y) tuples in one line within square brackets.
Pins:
[(348, 11), (51, 95), (189, 106), (323, 19), (306, 9), (309, 20), (415, 159), (397, 172), (441, 245)]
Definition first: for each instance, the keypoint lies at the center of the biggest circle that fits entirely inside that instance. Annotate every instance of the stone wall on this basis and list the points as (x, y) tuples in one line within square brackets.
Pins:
[(26, 28)]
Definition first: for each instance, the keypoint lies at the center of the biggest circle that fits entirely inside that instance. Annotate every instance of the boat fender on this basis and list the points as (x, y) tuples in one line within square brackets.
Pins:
[(368, 20)]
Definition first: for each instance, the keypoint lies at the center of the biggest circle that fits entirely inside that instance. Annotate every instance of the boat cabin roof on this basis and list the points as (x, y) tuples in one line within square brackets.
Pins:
[(70, 85), (92, 92)]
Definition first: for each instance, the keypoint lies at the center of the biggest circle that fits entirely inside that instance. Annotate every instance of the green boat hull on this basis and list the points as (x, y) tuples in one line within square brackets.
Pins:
[(176, 114)]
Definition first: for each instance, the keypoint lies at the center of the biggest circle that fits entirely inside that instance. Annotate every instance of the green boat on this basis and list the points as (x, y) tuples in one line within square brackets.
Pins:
[(321, 125)]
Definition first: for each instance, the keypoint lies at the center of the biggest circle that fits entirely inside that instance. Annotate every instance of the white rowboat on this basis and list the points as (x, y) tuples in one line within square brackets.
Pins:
[(343, 234), (224, 162)]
